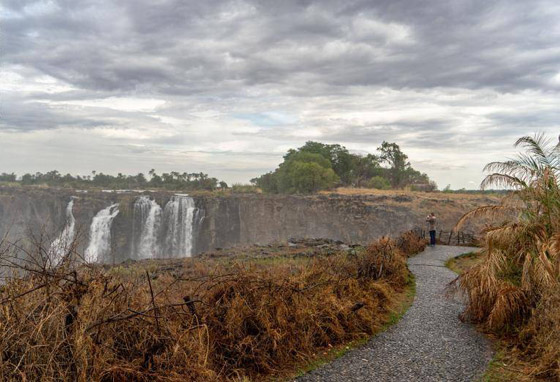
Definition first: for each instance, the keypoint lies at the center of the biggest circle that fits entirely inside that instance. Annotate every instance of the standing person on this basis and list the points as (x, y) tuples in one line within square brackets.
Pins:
[(431, 219)]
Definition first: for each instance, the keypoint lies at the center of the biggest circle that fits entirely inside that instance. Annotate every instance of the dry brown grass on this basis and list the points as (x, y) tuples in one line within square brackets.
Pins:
[(513, 293), (419, 194), (204, 320), (411, 244)]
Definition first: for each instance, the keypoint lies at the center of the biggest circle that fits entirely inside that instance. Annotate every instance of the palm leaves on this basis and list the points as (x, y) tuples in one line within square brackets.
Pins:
[(522, 252), (532, 176), (526, 168)]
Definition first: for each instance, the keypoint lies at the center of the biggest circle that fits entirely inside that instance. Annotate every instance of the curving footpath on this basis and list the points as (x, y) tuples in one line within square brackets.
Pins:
[(430, 343)]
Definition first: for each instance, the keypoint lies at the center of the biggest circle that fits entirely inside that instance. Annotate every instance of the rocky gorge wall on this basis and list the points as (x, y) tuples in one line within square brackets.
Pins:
[(249, 219), (223, 221)]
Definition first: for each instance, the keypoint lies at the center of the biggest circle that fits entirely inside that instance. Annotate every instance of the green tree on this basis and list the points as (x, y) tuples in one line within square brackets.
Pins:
[(306, 177), (305, 172), (340, 158), (5, 177), (350, 169), (364, 168), (267, 182), (397, 161)]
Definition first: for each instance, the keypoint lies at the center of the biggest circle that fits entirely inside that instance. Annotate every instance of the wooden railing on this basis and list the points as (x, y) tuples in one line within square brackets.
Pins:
[(450, 237)]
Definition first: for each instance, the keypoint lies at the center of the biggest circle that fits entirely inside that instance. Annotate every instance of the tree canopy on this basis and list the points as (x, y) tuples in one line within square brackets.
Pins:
[(318, 166), (170, 181)]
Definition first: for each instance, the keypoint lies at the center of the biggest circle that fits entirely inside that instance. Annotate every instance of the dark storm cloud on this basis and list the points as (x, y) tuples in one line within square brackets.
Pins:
[(21, 116)]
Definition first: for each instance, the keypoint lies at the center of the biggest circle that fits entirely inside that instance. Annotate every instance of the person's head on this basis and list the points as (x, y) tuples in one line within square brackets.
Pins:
[(432, 214)]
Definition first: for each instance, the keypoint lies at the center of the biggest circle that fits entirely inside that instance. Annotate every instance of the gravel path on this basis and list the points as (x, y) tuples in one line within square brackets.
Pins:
[(430, 343)]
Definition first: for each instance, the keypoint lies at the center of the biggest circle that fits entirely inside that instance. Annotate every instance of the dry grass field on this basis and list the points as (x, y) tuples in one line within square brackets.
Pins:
[(421, 194), (260, 316)]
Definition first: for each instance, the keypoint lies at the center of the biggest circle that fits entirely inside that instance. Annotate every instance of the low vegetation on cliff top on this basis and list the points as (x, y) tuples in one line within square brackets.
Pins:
[(195, 319), (514, 292), (311, 168)]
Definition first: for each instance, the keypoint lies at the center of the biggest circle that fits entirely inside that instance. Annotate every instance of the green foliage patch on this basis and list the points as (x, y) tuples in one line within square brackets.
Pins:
[(317, 166)]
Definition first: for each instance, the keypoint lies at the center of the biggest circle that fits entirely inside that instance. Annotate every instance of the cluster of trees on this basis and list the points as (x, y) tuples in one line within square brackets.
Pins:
[(313, 167), (5, 177), (318, 166), (170, 181)]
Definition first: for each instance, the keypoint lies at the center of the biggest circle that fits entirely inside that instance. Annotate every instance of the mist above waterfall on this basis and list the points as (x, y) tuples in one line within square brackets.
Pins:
[(100, 234), (60, 246)]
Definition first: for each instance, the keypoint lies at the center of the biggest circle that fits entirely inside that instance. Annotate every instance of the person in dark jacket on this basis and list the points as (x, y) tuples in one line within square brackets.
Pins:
[(431, 220)]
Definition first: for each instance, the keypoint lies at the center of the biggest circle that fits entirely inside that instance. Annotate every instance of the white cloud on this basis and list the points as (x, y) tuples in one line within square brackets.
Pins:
[(115, 103), (370, 28)]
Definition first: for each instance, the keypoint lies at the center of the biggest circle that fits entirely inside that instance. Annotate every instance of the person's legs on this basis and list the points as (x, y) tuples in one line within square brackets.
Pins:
[(433, 238)]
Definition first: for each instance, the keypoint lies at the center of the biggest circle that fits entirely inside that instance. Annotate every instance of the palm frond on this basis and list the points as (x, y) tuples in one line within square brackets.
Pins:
[(487, 211), (500, 180), (536, 145), (515, 167)]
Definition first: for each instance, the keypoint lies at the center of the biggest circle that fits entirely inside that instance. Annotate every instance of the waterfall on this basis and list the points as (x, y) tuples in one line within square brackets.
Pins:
[(100, 234), (146, 221), (178, 217), (62, 243)]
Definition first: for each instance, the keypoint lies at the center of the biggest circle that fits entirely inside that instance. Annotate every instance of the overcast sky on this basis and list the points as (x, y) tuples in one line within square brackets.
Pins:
[(226, 87)]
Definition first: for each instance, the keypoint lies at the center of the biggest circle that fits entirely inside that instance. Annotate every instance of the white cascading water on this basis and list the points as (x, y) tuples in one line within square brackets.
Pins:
[(148, 213), (100, 234), (178, 216), (61, 245)]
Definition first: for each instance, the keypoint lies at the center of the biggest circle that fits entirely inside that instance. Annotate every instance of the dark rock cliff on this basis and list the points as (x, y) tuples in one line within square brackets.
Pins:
[(248, 219), (225, 221)]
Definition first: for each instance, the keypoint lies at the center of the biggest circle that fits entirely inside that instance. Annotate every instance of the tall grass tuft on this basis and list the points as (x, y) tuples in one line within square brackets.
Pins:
[(514, 291)]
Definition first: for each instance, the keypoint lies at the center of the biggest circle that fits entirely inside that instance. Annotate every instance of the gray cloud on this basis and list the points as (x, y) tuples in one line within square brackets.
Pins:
[(20, 116), (232, 79), (189, 47)]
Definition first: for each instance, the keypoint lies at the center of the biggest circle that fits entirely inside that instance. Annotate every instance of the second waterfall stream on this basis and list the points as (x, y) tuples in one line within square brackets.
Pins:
[(162, 233), (178, 216), (99, 247)]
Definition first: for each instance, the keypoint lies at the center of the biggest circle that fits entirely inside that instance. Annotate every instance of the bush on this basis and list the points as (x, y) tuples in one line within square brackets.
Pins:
[(306, 177), (382, 260), (410, 243), (238, 188), (196, 319), (378, 183)]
